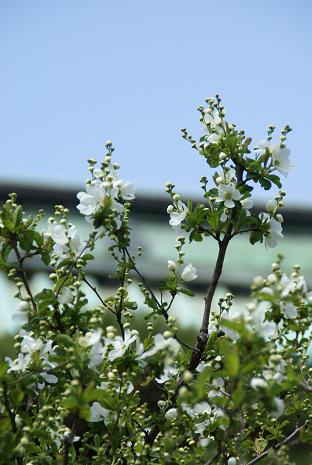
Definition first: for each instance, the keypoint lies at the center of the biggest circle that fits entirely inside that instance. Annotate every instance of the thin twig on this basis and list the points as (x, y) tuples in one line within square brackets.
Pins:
[(278, 445)]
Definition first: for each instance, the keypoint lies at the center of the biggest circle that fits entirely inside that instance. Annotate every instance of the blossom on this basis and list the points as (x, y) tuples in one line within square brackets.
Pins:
[(93, 199), (290, 310), (57, 232), (189, 273), (227, 176), (227, 194), (279, 407), (274, 233), (213, 119), (65, 296), (280, 156), (172, 266), (263, 146), (258, 383), (212, 139), (120, 345), (271, 205), (171, 414), (247, 204), (126, 189), (178, 215), (169, 372), (21, 363), (161, 343), (281, 159), (232, 461), (93, 338), (98, 413)]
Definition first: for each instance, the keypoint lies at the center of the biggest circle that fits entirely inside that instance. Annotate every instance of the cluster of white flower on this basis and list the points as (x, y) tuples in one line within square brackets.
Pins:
[(280, 155), (66, 238), (189, 272), (177, 214), (30, 346), (105, 189), (213, 125)]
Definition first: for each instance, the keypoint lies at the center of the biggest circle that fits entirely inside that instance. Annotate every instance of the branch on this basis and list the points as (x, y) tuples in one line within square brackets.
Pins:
[(23, 275), (11, 415), (69, 440), (278, 445)]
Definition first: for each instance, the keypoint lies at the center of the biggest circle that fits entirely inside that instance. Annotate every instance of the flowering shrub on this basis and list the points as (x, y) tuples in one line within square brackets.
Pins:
[(82, 391)]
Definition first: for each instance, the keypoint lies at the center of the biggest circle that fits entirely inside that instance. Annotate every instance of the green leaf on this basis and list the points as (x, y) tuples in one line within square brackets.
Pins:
[(255, 236), (231, 357), (276, 180), (186, 292), (17, 216), (265, 183), (27, 240)]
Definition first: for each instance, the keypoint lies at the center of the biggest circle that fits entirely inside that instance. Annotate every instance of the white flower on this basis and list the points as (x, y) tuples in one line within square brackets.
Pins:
[(274, 234), (65, 296), (20, 316), (263, 146), (227, 176), (120, 345), (51, 379), (169, 372), (177, 216), (212, 118), (281, 159), (290, 310), (279, 407), (96, 355), (271, 205), (227, 194), (57, 232), (98, 413), (125, 188), (232, 461), (73, 238), (172, 266), (212, 139), (92, 338), (92, 199), (189, 273), (286, 285), (258, 383), (247, 204), (20, 363), (160, 343), (171, 414)]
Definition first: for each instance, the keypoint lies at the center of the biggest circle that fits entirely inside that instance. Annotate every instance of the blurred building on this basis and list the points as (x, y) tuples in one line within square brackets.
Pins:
[(151, 231)]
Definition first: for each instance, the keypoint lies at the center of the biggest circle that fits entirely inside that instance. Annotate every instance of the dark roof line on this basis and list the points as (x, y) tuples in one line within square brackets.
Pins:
[(43, 196)]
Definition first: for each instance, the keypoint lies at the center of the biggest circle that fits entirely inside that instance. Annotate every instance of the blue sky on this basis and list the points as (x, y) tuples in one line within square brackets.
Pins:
[(76, 73)]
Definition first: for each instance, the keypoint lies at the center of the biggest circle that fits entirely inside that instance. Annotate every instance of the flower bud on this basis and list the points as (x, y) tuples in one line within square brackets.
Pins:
[(171, 414), (161, 403), (172, 266), (271, 205), (170, 209)]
